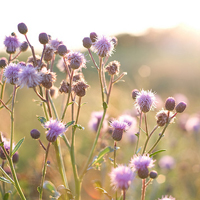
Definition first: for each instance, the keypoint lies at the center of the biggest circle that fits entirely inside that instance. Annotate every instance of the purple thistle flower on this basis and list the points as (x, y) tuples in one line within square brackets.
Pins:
[(30, 77), (167, 198), (145, 101), (141, 162), (11, 73), (54, 44), (167, 162), (11, 43), (95, 120), (103, 46), (121, 177), (54, 129), (128, 119), (76, 60)]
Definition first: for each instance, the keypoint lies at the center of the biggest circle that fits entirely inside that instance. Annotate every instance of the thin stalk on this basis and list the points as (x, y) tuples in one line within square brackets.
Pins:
[(124, 194), (48, 103), (115, 155), (52, 62), (39, 95), (146, 125), (16, 56), (5, 105), (103, 78), (93, 59), (3, 89), (140, 122), (44, 171), (94, 145), (143, 189), (41, 144), (110, 88), (147, 140), (53, 106), (42, 55), (100, 78)]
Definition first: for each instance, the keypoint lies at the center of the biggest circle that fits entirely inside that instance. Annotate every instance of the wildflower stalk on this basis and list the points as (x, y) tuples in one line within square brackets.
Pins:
[(124, 194), (138, 134), (44, 172), (42, 56), (145, 121), (3, 89), (115, 152), (16, 56), (93, 59), (103, 77), (100, 78), (110, 88), (143, 189)]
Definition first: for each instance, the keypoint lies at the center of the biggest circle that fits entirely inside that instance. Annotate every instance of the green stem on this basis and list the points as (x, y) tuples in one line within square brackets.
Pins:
[(140, 122), (100, 78), (110, 88), (44, 171), (93, 59), (115, 152), (145, 121)]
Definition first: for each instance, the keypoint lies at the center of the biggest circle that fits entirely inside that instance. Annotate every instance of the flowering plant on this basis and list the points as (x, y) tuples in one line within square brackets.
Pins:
[(38, 74)]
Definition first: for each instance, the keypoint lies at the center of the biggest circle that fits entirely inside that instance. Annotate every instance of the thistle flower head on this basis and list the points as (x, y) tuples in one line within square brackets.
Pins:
[(11, 73), (47, 78), (64, 87), (30, 77), (145, 101), (167, 162), (121, 177), (128, 119), (141, 162), (54, 129), (79, 88), (103, 46), (54, 44), (162, 117), (11, 43), (113, 67), (76, 60), (167, 198)]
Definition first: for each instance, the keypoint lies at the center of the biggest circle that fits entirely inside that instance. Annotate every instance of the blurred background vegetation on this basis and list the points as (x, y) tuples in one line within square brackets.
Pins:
[(164, 61)]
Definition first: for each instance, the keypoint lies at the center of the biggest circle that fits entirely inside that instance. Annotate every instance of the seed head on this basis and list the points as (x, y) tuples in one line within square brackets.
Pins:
[(48, 54), (121, 177), (22, 28), (79, 88), (24, 46), (162, 117), (93, 36), (54, 44), (181, 107), (113, 68), (48, 78), (87, 42), (35, 134), (62, 50), (43, 38), (64, 87), (170, 103), (3, 62)]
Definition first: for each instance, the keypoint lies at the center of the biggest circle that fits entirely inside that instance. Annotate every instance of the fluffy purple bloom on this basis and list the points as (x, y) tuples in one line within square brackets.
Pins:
[(121, 177), (141, 162), (167, 198), (145, 101), (95, 120), (11, 43), (54, 129), (128, 119), (76, 60), (30, 77), (103, 46), (54, 44), (11, 73), (167, 162)]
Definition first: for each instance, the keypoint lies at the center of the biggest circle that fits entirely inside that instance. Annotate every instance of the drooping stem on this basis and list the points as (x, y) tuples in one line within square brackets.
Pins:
[(44, 171)]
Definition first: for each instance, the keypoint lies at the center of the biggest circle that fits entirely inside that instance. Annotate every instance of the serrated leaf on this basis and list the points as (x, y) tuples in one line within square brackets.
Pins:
[(3, 179), (79, 126), (69, 124), (41, 119), (156, 152), (17, 146), (6, 196), (104, 192)]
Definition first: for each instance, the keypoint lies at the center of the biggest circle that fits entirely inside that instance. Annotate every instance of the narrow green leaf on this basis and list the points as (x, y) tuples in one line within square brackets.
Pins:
[(104, 192), (79, 126), (39, 189), (156, 152), (18, 145), (3, 179), (6, 196), (6, 175), (41, 119), (69, 124)]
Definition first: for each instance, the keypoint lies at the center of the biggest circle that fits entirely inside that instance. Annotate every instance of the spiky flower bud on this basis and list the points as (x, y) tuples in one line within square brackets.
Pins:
[(93, 36), (35, 134), (181, 107), (48, 54), (153, 174), (43, 38), (170, 103), (143, 173), (24, 46), (64, 87), (79, 88), (62, 50), (87, 42), (22, 28), (3, 62), (134, 93), (113, 67), (115, 41), (162, 117)]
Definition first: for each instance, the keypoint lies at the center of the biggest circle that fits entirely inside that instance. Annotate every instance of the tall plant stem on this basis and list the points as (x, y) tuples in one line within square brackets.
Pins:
[(44, 171), (100, 78), (115, 155), (143, 189), (110, 88), (124, 194), (140, 122)]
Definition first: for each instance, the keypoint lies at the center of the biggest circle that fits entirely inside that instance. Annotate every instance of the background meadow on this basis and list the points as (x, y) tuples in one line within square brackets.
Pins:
[(164, 61)]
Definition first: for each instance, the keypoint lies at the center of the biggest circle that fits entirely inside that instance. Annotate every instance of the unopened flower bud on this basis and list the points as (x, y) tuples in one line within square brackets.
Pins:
[(24, 46), (115, 41), (162, 117), (117, 134), (170, 103), (64, 87), (15, 157), (180, 107), (43, 38), (87, 42), (134, 93), (79, 88), (48, 54), (62, 50), (93, 36), (113, 67), (3, 62), (35, 134), (153, 174), (22, 28), (143, 173)]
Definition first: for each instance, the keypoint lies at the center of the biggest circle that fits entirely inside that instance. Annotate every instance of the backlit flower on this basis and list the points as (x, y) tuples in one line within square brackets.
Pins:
[(11, 43), (167, 198)]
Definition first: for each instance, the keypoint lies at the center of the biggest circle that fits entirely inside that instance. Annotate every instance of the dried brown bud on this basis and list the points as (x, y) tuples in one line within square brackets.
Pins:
[(64, 87), (93, 36), (115, 41), (162, 117), (79, 88), (35, 134), (24, 46), (113, 67), (134, 93), (62, 50), (48, 54), (3, 62), (47, 78)]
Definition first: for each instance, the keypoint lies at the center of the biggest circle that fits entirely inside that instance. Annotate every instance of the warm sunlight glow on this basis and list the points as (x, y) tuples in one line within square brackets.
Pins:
[(72, 20)]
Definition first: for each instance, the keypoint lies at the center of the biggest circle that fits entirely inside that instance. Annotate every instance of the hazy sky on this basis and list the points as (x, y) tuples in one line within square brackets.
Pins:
[(72, 20)]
